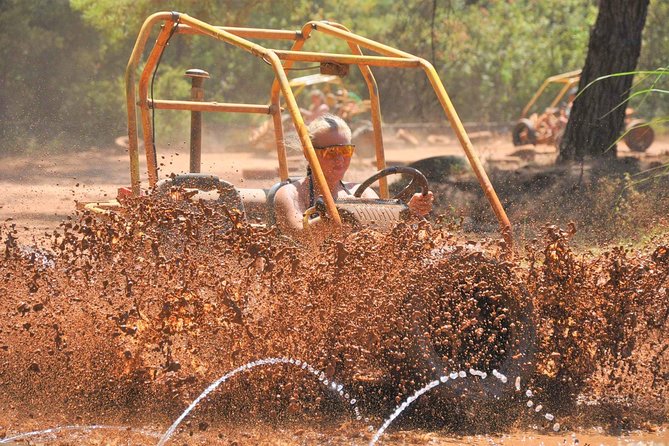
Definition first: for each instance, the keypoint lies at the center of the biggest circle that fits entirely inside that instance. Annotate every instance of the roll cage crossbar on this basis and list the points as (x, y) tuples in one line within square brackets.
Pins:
[(280, 61), (568, 80)]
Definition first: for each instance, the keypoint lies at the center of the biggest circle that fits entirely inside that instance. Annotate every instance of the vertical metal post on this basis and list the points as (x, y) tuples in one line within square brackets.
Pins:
[(196, 94)]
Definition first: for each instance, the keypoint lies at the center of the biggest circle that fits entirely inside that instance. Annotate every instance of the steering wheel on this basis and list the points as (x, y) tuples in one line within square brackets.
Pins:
[(418, 181)]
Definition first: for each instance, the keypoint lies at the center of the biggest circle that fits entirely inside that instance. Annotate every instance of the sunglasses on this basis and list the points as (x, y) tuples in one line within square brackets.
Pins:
[(345, 150)]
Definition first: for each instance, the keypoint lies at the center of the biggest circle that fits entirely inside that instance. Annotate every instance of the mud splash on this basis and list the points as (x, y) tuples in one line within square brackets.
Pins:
[(125, 320)]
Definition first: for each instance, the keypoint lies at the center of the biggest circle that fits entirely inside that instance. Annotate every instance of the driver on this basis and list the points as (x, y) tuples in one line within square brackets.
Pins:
[(331, 138)]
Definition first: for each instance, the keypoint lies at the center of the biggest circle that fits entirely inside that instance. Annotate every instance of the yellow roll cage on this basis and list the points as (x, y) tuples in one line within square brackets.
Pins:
[(568, 80), (280, 61)]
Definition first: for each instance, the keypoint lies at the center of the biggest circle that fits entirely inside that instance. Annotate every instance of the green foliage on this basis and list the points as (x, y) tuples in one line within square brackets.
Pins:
[(506, 49), (651, 94), (50, 83), (648, 86), (170, 84), (67, 59), (654, 55)]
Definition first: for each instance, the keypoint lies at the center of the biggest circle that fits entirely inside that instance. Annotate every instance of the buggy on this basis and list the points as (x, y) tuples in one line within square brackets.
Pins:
[(257, 204), (547, 127)]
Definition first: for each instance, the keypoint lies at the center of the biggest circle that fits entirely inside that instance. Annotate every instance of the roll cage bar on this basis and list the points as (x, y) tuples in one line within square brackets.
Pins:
[(568, 80), (280, 61)]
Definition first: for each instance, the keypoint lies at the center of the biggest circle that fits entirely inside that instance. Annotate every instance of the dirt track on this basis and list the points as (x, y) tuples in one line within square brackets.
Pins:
[(40, 190), (102, 309)]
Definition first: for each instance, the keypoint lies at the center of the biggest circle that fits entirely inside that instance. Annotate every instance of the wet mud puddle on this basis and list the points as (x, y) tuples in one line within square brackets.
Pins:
[(185, 325)]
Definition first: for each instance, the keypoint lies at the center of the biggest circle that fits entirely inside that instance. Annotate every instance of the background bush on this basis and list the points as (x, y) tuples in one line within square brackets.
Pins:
[(61, 84)]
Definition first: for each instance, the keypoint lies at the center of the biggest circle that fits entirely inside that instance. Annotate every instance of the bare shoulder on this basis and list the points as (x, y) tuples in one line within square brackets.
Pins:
[(287, 192), (288, 207), (289, 195)]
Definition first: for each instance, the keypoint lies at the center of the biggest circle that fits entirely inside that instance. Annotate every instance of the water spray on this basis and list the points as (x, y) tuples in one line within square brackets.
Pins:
[(330, 384), (444, 379)]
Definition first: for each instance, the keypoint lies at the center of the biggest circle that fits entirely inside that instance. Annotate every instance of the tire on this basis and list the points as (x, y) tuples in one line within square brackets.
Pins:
[(438, 169), (363, 138), (524, 133), (511, 354), (558, 138), (639, 135), (178, 222)]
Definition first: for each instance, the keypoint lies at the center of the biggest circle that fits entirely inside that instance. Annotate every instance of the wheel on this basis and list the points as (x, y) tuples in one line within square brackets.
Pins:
[(639, 135), (180, 218), (418, 181), (227, 194), (363, 138), (524, 133), (558, 138), (485, 327)]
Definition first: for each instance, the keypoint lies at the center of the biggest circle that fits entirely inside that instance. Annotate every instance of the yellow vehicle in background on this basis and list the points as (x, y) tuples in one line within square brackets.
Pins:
[(547, 127), (341, 102)]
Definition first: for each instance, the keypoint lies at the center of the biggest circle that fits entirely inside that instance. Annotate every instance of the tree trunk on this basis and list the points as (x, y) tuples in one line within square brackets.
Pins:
[(615, 43)]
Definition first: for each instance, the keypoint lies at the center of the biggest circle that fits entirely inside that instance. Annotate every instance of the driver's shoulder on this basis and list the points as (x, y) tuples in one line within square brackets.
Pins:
[(290, 192)]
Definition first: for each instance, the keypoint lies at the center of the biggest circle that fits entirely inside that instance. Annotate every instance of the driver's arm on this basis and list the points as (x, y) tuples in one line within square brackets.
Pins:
[(419, 204), (287, 209), (289, 216)]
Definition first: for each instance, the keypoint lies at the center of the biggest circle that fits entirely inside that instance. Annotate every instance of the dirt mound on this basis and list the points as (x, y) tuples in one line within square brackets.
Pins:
[(608, 201)]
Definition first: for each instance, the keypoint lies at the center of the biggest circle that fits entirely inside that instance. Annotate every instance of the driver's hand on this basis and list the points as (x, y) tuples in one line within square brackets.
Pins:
[(421, 204)]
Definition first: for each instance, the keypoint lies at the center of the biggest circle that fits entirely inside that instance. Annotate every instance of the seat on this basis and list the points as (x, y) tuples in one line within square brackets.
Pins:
[(271, 194)]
